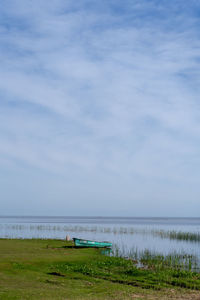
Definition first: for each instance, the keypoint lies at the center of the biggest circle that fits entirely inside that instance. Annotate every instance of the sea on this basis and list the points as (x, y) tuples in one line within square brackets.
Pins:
[(126, 233)]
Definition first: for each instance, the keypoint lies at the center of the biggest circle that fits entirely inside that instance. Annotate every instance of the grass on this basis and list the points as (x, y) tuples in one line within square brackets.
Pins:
[(53, 269)]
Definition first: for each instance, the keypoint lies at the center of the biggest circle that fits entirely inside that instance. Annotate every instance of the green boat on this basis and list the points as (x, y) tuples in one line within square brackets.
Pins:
[(93, 244)]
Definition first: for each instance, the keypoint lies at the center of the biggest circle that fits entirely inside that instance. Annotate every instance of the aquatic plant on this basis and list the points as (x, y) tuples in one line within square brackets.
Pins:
[(115, 230), (178, 235), (154, 260)]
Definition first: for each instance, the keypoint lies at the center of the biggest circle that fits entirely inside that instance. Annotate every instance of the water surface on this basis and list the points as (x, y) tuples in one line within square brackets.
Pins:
[(126, 233)]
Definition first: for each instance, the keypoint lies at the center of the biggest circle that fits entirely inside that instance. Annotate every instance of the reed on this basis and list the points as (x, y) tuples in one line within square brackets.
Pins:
[(153, 260), (178, 235), (163, 234)]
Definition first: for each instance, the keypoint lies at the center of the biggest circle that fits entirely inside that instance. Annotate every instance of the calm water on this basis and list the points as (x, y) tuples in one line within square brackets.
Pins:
[(124, 232)]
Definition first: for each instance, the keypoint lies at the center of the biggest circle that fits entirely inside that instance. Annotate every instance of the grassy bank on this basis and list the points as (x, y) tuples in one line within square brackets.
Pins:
[(52, 269)]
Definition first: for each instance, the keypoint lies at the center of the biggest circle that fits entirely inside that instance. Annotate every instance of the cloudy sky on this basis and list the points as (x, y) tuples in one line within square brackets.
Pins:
[(99, 107)]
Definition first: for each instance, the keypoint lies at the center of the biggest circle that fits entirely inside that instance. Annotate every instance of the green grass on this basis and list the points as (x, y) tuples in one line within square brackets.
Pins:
[(53, 269)]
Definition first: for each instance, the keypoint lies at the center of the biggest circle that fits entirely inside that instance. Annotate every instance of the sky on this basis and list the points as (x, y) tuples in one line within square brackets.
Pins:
[(100, 108)]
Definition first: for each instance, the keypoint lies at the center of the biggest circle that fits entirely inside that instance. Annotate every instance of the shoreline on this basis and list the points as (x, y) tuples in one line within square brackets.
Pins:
[(54, 269)]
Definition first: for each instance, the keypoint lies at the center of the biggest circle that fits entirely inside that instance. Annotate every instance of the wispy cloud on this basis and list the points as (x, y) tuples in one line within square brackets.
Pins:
[(105, 91)]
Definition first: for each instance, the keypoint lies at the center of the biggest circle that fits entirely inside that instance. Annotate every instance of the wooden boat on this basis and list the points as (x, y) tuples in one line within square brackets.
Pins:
[(93, 244)]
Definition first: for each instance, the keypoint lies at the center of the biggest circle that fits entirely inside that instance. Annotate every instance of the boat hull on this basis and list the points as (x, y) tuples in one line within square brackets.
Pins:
[(91, 244)]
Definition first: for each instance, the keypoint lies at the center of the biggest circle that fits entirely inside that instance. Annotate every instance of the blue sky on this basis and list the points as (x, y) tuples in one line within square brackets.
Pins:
[(99, 107)]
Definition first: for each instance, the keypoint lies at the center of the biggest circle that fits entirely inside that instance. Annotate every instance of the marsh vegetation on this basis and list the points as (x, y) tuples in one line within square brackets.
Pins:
[(151, 259), (116, 230)]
